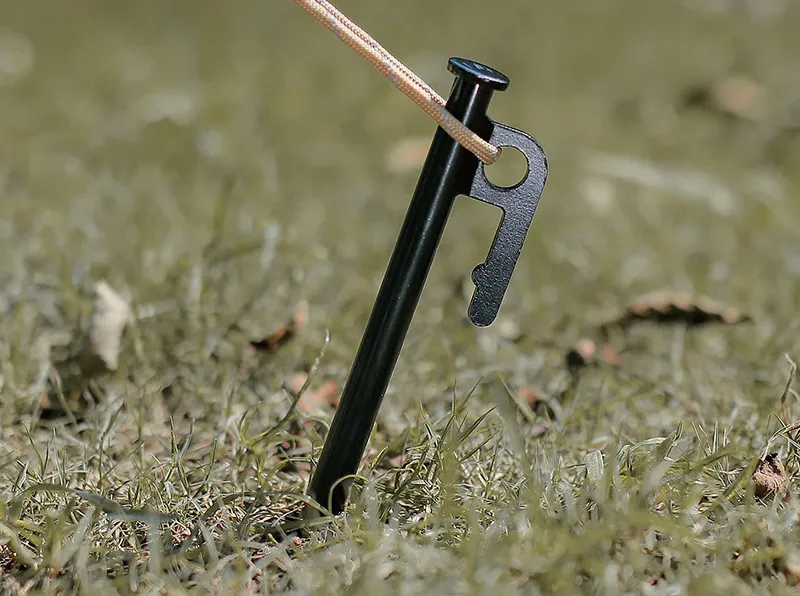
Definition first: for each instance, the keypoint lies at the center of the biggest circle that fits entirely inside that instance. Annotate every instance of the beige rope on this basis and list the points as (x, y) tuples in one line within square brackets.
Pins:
[(400, 76)]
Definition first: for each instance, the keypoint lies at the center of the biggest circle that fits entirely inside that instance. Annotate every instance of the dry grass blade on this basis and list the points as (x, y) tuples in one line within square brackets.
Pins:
[(15, 547), (789, 381), (113, 509)]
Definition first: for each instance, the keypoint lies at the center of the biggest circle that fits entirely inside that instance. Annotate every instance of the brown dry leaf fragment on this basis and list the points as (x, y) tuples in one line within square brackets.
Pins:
[(539, 430), (281, 336), (669, 307), (110, 316), (790, 566), (740, 96), (313, 400), (769, 476), (272, 343), (736, 98), (531, 396), (584, 353), (301, 314), (537, 401), (397, 462), (608, 354), (51, 406), (329, 392), (294, 384)]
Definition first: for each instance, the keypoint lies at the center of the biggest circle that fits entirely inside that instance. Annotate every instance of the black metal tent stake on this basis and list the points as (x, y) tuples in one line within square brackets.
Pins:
[(449, 171)]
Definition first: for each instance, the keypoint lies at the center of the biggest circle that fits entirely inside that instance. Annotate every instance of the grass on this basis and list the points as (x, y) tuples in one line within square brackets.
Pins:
[(178, 152)]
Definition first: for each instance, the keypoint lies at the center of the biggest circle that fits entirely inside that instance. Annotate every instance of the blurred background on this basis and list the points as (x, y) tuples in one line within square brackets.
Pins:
[(131, 131)]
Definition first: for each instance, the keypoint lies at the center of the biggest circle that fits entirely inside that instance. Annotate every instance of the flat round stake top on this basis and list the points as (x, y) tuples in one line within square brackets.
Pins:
[(475, 72)]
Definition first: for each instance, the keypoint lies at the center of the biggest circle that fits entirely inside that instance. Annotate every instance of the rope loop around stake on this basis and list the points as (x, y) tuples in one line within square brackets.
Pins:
[(400, 76)]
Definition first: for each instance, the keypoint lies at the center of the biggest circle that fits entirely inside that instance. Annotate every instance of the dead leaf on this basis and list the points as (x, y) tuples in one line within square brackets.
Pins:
[(539, 430), (301, 314), (790, 566), (735, 97), (313, 401), (407, 155), (741, 97), (79, 364), (110, 316), (670, 307), (586, 353), (581, 355), (769, 476), (281, 336), (330, 393), (72, 404), (537, 401), (294, 384), (275, 341), (397, 462), (531, 395), (608, 354)]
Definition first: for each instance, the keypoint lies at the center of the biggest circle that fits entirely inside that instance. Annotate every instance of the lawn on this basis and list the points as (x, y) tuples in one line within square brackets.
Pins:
[(219, 188)]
